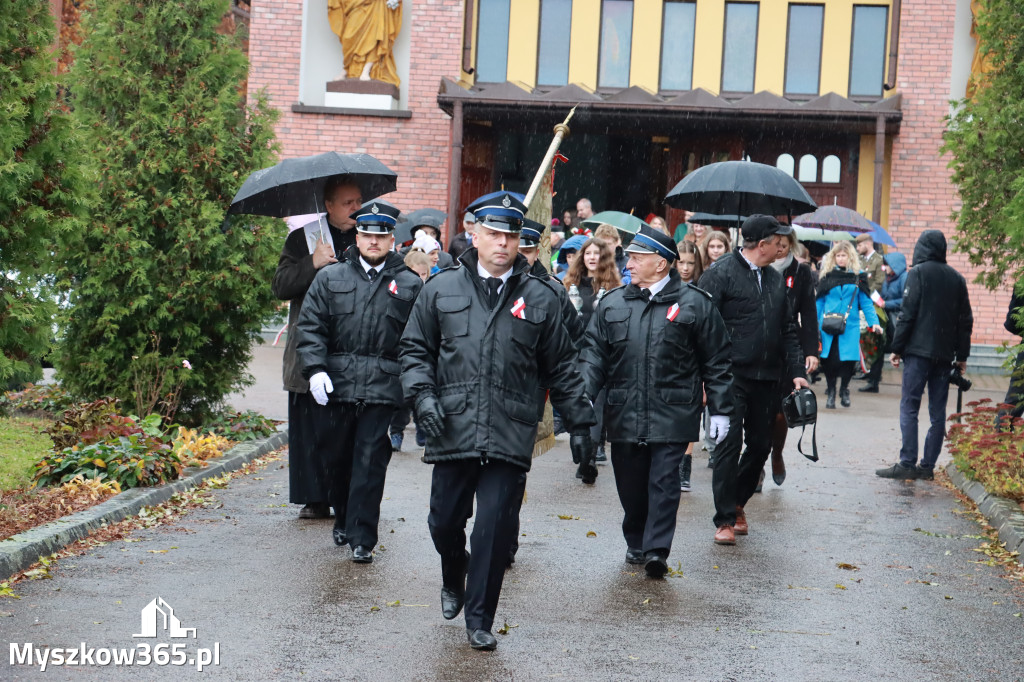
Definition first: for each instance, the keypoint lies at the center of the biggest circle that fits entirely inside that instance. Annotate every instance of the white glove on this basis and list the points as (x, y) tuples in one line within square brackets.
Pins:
[(393, 4), (718, 428), (320, 385)]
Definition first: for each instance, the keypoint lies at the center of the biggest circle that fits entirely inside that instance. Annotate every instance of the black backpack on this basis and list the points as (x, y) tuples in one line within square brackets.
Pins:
[(801, 409)]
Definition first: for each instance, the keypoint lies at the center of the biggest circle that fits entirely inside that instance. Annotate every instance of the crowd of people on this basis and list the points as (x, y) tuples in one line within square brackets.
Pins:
[(633, 338)]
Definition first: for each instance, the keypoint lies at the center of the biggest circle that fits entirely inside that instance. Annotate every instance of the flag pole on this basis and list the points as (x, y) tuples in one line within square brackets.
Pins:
[(561, 130)]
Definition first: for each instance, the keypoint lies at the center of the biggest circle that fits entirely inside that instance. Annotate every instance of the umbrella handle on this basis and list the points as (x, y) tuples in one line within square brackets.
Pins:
[(319, 218)]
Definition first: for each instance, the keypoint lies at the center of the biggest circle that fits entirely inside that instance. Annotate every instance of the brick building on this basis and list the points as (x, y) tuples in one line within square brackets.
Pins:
[(664, 86)]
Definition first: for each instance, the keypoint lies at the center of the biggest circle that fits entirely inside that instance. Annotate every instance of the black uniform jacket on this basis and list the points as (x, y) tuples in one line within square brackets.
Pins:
[(765, 346), (350, 328), (936, 320), (486, 366), (294, 274), (652, 357), (572, 320)]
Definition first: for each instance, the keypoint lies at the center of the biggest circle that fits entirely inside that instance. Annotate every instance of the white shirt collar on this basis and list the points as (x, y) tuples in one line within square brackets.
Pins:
[(367, 267), (747, 260), (658, 286), (484, 274)]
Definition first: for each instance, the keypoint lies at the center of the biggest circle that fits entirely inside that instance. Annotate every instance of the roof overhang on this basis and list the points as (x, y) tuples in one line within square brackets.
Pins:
[(511, 102)]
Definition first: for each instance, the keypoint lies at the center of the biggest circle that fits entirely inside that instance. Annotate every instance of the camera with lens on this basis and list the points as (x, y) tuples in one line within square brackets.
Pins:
[(957, 378)]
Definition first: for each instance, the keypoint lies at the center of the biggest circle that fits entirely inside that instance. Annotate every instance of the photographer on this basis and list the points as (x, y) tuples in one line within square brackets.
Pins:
[(933, 336)]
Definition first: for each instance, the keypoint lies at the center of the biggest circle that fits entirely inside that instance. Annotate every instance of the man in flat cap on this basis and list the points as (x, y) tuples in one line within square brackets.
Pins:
[(652, 344), (349, 330), (482, 339), (765, 348)]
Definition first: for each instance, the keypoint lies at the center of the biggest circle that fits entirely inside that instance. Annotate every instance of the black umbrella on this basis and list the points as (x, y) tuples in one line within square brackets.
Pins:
[(716, 220), (296, 186), (429, 217), (740, 188)]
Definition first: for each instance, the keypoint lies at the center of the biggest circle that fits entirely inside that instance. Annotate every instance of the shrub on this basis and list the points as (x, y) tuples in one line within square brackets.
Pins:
[(87, 423), (50, 398), (195, 450), (132, 461), (995, 459), (158, 275), (42, 192), (241, 426)]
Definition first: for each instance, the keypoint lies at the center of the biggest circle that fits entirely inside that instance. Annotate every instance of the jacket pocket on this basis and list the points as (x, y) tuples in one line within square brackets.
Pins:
[(526, 331), (342, 301), (389, 366), (399, 305), (454, 403), (453, 315), (681, 395), (617, 322), (616, 396), (520, 411)]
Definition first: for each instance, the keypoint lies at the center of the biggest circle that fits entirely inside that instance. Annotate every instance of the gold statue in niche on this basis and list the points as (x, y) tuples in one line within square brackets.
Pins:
[(367, 30)]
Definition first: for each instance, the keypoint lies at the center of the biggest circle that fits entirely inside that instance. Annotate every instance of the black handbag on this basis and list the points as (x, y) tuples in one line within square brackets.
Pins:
[(801, 409), (834, 324)]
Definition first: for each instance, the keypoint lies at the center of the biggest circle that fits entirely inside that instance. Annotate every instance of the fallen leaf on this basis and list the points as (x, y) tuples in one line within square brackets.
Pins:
[(568, 517), (591, 534), (645, 602), (397, 602), (157, 551), (840, 587), (374, 608), (847, 567), (503, 630), (634, 658), (947, 597)]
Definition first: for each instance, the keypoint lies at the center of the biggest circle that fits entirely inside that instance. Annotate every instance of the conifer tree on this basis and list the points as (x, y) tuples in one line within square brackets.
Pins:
[(160, 281), (41, 188)]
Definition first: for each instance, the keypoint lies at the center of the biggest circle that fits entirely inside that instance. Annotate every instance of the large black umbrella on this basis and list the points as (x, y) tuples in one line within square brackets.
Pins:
[(740, 188), (717, 220), (430, 217), (296, 186)]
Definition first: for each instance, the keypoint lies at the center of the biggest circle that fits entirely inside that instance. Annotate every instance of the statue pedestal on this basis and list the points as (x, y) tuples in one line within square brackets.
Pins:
[(352, 93)]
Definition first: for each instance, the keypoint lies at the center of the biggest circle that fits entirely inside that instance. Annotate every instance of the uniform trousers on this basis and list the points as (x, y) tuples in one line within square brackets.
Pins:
[(647, 480), (498, 487), (307, 478), (356, 453), (734, 478)]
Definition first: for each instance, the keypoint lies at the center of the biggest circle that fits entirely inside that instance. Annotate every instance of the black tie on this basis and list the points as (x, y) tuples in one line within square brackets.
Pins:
[(493, 283), (646, 293), (372, 274)]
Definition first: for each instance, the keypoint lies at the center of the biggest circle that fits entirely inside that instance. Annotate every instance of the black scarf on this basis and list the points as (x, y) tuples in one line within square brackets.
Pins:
[(837, 278)]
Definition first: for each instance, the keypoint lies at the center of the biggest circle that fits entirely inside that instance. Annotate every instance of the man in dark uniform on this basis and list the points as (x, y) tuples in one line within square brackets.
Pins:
[(305, 252), (482, 339), (651, 345), (349, 330), (765, 350)]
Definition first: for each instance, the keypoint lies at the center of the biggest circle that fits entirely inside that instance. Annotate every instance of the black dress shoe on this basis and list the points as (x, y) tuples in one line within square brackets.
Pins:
[(451, 602), (844, 397), (340, 538), (656, 565), (362, 555), (481, 639), (870, 388), (315, 511), (634, 555), (602, 456)]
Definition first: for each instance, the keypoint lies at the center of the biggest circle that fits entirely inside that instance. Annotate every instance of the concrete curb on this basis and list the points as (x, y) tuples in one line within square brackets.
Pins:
[(1004, 515), (24, 549)]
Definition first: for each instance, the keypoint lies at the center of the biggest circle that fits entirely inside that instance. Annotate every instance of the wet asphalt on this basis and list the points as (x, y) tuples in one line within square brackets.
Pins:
[(284, 603)]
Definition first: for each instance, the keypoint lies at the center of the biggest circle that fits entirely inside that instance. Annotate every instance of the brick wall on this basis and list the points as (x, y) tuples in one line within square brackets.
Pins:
[(922, 196), (416, 148)]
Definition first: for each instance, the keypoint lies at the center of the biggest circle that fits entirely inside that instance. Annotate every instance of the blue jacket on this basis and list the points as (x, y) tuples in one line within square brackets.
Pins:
[(836, 299), (892, 288)]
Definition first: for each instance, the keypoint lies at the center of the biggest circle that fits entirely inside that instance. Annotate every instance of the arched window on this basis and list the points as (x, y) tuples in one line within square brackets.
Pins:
[(785, 163), (808, 168), (831, 169)]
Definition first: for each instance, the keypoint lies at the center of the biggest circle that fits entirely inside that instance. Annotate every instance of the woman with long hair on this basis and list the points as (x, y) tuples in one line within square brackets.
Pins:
[(690, 263), (593, 270), (714, 245), (842, 292)]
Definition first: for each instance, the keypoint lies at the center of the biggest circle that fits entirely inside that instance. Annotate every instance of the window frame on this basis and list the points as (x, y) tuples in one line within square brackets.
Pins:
[(600, 35), (885, 51), (540, 32), (693, 45), (476, 55), (821, 47), (725, 31)]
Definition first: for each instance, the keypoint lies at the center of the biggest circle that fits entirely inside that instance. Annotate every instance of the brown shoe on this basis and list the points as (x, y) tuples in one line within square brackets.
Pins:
[(741, 521), (725, 536)]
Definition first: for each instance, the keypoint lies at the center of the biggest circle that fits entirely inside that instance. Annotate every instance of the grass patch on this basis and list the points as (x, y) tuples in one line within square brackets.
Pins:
[(22, 444)]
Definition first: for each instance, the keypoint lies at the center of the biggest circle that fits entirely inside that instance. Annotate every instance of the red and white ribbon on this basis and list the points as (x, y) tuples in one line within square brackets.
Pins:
[(672, 312), (519, 309), (393, 288)]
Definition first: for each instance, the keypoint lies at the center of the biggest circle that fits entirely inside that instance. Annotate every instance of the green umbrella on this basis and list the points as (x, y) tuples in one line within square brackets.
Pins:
[(626, 223)]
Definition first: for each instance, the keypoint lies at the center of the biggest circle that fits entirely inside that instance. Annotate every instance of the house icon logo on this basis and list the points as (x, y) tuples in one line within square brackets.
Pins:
[(158, 616)]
